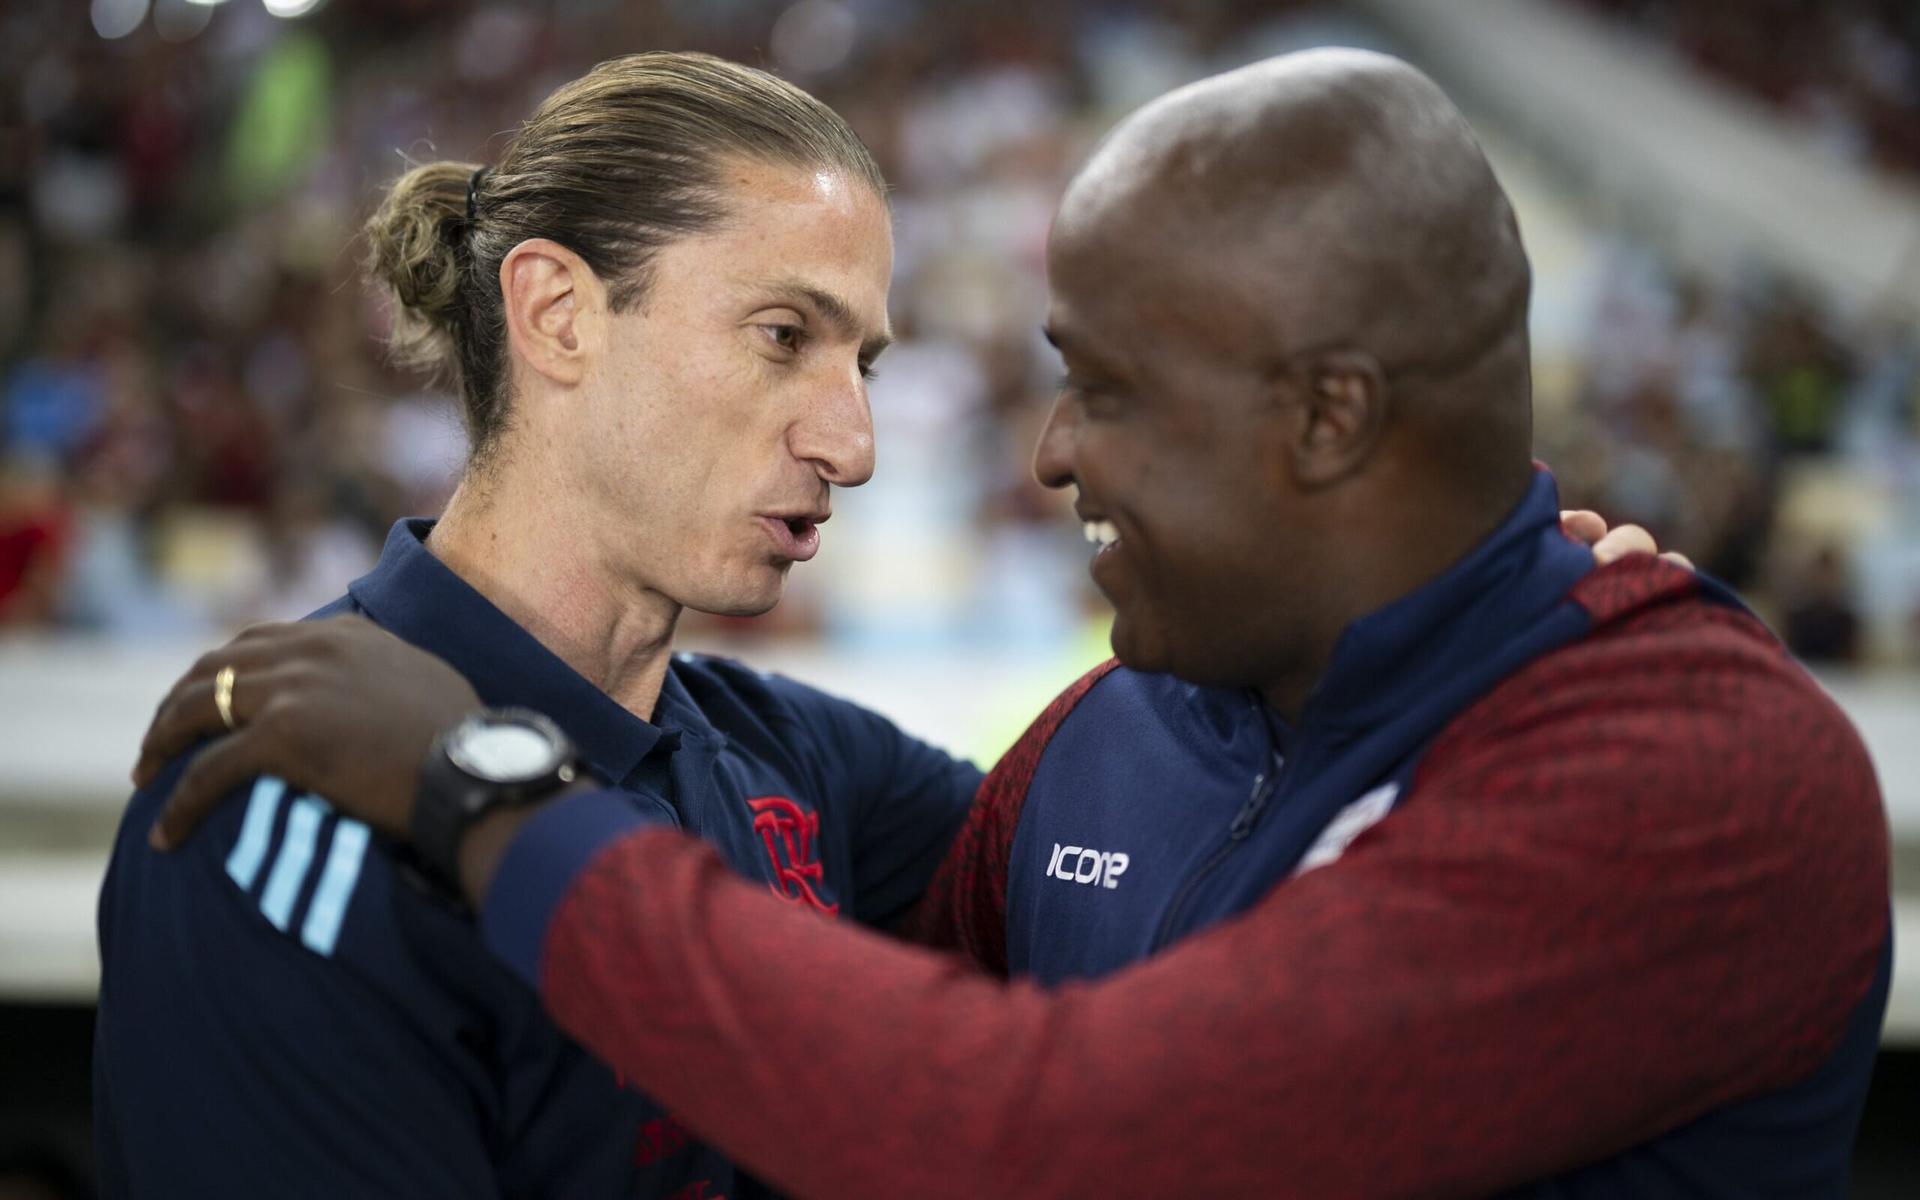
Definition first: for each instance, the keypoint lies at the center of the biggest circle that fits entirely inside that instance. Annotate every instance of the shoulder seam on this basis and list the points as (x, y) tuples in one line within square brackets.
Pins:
[(1023, 758), (1610, 592), (1063, 706)]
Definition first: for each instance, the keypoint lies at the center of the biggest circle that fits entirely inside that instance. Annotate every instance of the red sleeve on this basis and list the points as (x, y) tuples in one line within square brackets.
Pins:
[(965, 907), (1628, 887)]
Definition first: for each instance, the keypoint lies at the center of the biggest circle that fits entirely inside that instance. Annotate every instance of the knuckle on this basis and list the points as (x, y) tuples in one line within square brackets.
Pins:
[(162, 715), (164, 719), (301, 681)]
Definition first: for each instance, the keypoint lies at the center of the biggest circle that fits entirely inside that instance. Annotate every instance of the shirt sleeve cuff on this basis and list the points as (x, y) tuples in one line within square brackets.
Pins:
[(542, 862)]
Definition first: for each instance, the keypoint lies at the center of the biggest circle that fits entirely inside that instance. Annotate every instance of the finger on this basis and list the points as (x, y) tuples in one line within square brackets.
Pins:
[(1678, 559), (239, 647), (1583, 525), (214, 772), (268, 630), (1622, 541), (259, 643), (157, 743), (186, 715), (190, 713)]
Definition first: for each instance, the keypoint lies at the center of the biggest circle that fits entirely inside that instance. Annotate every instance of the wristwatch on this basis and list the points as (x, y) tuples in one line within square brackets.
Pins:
[(495, 758)]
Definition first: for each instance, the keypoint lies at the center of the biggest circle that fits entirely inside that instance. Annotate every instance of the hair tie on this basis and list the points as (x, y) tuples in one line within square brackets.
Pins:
[(473, 193)]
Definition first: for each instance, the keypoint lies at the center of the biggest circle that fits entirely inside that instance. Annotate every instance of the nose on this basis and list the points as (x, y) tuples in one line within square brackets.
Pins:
[(835, 435), (1053, 456)]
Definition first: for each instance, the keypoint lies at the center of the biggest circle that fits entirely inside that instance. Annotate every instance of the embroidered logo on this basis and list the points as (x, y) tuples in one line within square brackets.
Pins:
[(1349, 823), (1076, 864), (789, 833), (660, 1138)]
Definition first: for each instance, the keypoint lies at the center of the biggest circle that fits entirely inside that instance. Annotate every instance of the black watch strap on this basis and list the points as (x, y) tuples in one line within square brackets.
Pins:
[(450, 799)]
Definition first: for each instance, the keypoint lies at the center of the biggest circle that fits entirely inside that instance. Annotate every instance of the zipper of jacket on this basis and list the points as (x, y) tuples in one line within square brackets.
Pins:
[(1265, 785)]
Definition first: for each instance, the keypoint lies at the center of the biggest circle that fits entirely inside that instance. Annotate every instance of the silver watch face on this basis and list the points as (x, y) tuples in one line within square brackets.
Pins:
[(503, 752)]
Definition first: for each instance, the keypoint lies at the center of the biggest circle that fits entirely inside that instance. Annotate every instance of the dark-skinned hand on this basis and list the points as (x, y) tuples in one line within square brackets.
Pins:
[(339, 707)]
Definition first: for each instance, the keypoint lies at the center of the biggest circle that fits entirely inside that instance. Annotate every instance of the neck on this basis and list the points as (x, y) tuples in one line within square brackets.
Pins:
[(1287, 695), (1392, 541), (543, 570)]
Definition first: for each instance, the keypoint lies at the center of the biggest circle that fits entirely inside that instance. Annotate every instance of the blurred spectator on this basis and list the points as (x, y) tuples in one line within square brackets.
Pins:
[(1801, 375), (311, 552), (1822, 625), (52, 399), (33, 541)]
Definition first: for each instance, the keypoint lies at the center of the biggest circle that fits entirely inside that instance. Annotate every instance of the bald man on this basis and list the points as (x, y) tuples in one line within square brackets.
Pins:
[(1403, 852)]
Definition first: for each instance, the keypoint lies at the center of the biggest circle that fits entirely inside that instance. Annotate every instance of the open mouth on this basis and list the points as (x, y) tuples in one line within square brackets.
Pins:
[(1103, 534), (794, 538)]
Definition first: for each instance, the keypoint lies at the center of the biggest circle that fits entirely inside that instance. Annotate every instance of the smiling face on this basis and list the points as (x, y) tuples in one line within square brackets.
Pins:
[(1172, 431), (1291, 300), (732, 398)]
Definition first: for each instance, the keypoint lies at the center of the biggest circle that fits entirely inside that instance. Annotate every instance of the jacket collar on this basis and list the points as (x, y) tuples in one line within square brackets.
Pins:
[(1469, 620)]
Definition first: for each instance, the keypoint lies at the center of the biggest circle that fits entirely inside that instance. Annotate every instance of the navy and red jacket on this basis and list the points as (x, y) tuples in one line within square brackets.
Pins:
[(284, 1012), (1568, 882)]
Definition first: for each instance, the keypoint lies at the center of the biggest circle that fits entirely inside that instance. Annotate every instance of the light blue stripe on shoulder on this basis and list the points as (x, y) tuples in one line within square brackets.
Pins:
[(290, 868), (243, 863), (337, 879)]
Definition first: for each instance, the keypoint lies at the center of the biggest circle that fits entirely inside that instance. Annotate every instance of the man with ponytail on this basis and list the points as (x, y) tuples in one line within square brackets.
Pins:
[(659, 308)]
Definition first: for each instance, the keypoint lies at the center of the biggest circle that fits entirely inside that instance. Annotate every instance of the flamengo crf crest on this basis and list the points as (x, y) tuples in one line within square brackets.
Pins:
[(790, 833)]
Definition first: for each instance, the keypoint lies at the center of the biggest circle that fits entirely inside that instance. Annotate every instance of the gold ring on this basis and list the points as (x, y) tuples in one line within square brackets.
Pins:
[(223, 696)]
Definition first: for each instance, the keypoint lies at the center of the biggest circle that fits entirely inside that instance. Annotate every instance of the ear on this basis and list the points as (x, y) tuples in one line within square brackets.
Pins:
[(555, 309), (1339, 418)]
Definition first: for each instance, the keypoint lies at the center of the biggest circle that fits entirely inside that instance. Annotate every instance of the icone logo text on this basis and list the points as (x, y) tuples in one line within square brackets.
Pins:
[(1077, 864)]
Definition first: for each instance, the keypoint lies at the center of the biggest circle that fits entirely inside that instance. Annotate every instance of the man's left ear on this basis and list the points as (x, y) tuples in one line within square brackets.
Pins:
[(1343, 411), (555, 308)]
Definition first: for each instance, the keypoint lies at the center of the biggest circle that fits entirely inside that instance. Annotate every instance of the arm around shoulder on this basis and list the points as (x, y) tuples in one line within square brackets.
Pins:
[(1561, 927)]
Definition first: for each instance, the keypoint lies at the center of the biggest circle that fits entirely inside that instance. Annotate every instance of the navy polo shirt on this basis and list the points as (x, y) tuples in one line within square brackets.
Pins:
[(284, 1012)]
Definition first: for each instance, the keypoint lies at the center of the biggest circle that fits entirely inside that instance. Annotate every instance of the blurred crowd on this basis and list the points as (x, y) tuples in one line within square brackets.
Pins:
[(197, 427), (1755, 432)]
